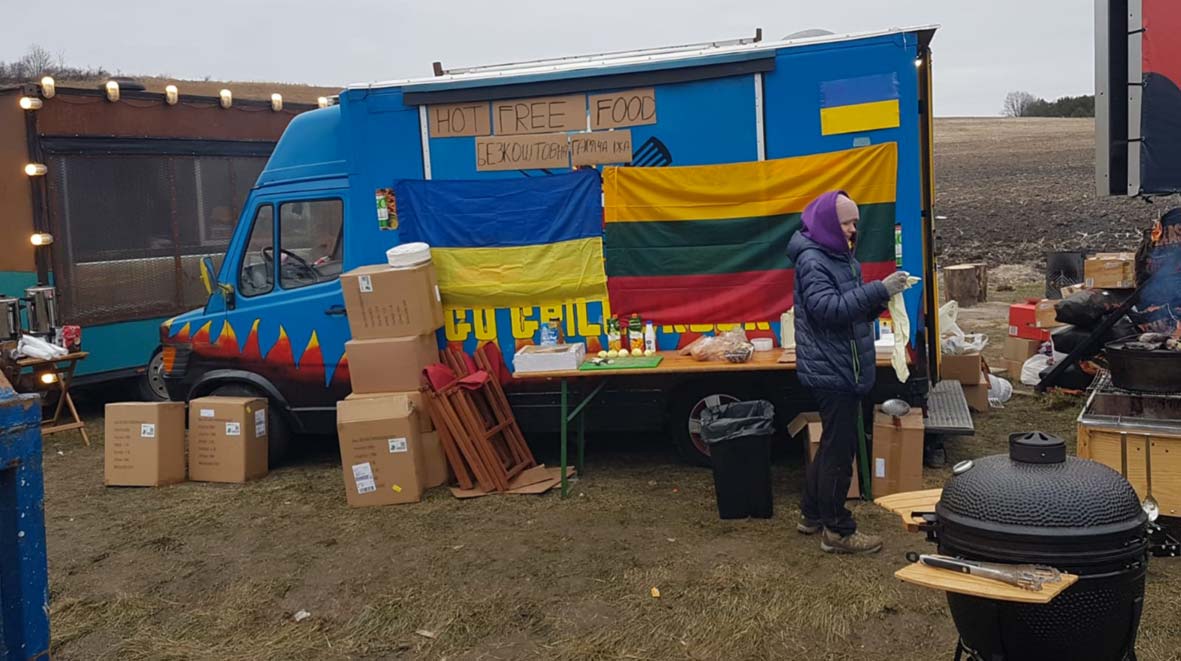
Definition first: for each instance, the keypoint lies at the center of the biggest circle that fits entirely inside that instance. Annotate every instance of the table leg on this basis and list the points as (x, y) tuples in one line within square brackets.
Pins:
[(61, 400), (77, 419), (565, 425), (581, 444)]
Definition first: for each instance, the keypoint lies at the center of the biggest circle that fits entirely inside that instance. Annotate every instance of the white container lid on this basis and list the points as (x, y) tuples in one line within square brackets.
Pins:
[(408, 254), (762, 343)]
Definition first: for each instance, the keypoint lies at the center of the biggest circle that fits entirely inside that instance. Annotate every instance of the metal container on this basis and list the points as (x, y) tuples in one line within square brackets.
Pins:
[(10, 318), (1144, 370), (1037, 505), (42, 309)]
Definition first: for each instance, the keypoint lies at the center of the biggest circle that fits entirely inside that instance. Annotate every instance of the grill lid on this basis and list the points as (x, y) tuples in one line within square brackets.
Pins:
[(1038, 486)]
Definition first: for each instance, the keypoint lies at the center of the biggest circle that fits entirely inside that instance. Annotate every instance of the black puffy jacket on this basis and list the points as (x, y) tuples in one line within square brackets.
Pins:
[(834, 312)]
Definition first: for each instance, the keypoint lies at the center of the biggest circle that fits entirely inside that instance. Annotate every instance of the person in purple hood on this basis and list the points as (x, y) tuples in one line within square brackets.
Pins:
[(835, 359)]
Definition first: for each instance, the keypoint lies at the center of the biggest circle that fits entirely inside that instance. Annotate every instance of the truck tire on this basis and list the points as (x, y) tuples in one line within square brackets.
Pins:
[(278, 431), (151, 384), (684, 415)]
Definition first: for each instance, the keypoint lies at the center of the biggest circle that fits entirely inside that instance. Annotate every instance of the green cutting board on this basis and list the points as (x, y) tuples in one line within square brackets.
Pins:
[(629, 363)]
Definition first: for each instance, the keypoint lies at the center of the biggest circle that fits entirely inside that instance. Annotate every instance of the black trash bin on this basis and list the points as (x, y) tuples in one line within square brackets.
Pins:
[(739, 439)]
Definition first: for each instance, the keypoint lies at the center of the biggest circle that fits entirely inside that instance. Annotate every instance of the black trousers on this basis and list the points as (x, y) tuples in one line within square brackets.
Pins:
[(831, 471)]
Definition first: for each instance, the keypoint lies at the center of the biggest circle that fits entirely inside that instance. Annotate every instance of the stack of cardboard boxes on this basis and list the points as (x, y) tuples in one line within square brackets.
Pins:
[(896, 454), (145, 442), (389, 449)]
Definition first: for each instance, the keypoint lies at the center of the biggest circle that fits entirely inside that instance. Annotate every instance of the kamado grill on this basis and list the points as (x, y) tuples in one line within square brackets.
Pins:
[(1036, 505)]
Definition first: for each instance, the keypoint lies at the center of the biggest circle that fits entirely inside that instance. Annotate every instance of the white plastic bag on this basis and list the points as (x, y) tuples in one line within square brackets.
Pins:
[(947, 319), (958, 345), (35, 347), (1032, 369), (999, 391)]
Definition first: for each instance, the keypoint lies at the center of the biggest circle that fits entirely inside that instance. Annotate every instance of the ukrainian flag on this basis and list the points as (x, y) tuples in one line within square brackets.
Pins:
[(509, 242), (855, 105)]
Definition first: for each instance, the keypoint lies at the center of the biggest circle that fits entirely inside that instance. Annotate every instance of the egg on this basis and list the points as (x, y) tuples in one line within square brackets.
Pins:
[(603, 354), (624, 353), (649, 352), (612, 353)]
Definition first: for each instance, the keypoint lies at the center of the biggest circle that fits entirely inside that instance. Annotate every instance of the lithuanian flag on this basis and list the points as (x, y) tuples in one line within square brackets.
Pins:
[(708, 244), (509, 242)]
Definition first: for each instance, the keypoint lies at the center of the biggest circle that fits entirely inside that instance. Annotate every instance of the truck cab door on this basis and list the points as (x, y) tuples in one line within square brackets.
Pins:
[(287, 311)]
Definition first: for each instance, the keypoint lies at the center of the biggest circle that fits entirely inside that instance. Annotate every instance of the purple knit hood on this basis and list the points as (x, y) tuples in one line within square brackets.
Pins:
[(822, 225)]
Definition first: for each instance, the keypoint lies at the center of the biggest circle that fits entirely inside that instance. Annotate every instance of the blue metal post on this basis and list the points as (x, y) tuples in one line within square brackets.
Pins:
[(24, 581)]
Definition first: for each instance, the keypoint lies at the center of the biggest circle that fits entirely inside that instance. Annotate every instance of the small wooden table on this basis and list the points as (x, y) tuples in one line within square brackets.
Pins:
[(63, 368), (673, 363)]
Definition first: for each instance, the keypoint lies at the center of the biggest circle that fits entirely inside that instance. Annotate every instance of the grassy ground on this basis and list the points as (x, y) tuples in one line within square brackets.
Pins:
[(200, 571)]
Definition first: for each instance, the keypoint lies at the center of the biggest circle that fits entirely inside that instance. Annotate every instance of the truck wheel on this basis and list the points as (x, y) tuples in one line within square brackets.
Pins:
[(278, 431), (151, 384), (684, 418)]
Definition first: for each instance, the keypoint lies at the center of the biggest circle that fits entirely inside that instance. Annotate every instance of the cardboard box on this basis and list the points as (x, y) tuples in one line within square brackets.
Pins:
[(1110, 270), (1020, 349), (434, 461), (387, 302), (144, 444), (977, 395), (381, 451), (897, 453), (965, 368), (227, 439), (555, 358), (1013, 368), (1046, 314), (391, 364), (1071, 290), (1023, 322), (421, 403), (811, 425)]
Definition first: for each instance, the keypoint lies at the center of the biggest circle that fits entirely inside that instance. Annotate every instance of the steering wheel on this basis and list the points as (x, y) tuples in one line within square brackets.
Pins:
[(268, 254)]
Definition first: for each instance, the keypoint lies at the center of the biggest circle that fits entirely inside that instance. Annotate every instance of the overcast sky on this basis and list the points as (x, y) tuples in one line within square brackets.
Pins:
[(984, 49)]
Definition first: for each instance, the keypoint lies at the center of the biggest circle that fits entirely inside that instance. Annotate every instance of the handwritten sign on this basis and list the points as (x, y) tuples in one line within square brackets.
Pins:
[(631, 108), (539, 115), (526, 152), (459, 119), (601, 147)]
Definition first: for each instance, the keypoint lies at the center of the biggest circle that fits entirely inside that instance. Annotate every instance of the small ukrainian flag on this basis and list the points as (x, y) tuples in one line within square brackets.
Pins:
[(853, 105)]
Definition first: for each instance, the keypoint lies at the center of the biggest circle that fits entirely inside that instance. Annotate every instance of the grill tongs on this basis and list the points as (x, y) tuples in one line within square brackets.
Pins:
[(1026, 577)]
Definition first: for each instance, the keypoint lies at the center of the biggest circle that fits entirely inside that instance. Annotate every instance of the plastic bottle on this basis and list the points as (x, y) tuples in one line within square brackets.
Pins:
[(614, 337), (635, 333), (649, 337)]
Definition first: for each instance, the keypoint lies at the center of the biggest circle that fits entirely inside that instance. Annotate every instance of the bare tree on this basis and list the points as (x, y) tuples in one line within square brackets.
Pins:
[(37, 61), (1017, 104)]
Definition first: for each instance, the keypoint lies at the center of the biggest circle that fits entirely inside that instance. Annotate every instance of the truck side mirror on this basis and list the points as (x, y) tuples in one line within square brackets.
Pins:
[(207, 279), (207, 274)]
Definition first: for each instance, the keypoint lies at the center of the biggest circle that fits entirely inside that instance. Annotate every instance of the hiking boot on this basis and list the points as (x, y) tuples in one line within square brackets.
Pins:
[(856, 543), (807, 526)]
